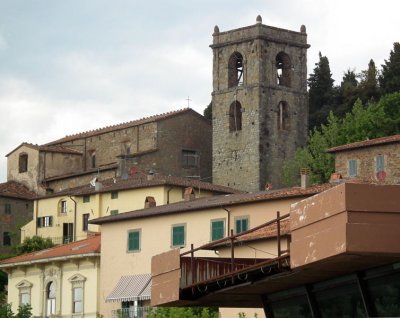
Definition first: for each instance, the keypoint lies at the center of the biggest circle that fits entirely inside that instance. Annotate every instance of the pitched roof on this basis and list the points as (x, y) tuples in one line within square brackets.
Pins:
[(87, 247), (124, 125), (212, 202), (366, 143), (141, 180), (58, 149), (16, 190), (266, 232)]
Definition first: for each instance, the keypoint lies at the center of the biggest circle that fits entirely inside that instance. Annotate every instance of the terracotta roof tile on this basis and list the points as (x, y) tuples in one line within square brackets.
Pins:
[(88, 246), (215, 201), (16, 190), (123, 125), (266, 232), (366, 143)]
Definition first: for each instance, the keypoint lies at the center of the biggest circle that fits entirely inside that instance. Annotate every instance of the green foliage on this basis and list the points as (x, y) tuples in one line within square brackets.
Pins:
[(368, 88), (390, 76), (23, 311), (208, 112), (183, 312), (32, 244)]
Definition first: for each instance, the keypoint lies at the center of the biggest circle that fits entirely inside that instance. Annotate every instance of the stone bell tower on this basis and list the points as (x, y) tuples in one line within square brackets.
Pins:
[(259, 103)]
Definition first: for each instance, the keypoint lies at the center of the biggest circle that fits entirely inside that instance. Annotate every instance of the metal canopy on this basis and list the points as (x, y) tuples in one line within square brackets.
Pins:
[(130, 288)]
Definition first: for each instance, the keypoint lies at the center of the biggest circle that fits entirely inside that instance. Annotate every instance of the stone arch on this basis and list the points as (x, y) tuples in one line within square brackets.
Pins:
[(235, 117), (235, 70), (283, 116), (51, 295), (283, 69)]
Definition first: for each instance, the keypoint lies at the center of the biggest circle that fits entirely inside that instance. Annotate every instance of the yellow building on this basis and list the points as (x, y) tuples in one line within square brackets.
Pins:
[(61, 281), (129, 240), (64, 216)]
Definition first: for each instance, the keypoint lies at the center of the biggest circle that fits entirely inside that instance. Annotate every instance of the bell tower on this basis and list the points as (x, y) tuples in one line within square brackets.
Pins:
[(259, 103)]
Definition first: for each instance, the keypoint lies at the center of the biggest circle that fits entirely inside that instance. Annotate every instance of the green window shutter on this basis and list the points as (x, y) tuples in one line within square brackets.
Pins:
[(50, 221), (114, 195), (353, 168), (86, 198), (380, 163), (217, 230), (39, 222), (178, 235), (134, 241), (7, 208), (242, 225), (114, 212)]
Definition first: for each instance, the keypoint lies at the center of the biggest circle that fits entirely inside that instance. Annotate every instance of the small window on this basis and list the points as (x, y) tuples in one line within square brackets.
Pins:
[(235, 70), (45, 221), (24, 288), (63, 206), (283, 69), (78, 300), (352, 168), (190, 158), (86, 198), (114, 195), (217, 229), (93, 160), (241, 224), (114, 212), (85, 222), (23, 163), (7, 208), (235, 117), (283, 116), (134, 241), (178, 235), (6, 239), (24, 299), (380, 163)]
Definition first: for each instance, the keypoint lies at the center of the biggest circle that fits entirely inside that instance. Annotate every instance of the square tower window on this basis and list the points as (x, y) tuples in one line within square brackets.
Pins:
[(23, 162), (235, 70), (190, 158), (235, 117)]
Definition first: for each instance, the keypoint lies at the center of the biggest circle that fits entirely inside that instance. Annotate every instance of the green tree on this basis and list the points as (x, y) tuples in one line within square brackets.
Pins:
[(320, 92), (348, 93), (32, 244), (368, 88), (180, 312), (208, 112), (389, 79)]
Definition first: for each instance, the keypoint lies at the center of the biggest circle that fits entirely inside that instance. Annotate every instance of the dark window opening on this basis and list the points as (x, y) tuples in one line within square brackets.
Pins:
[(190, 158), (235, 70), (85, 222), (23, 163), (235, 117), (6, 239), (94, 161), (283, 116), (114, 195), (7, 208), (86, 198), (283, 69)]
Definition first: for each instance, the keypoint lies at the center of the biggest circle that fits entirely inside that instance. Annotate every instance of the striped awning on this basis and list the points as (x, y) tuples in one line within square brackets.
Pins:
[(130, 288)]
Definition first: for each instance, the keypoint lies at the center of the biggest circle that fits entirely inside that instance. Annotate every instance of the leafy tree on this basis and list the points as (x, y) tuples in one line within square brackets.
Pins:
[(390, 76), (320, 92), (24, 311), (179, 312), (208, 112), (32, 244)]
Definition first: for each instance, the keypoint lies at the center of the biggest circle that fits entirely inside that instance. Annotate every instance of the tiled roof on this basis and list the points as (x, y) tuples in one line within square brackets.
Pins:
[(123, 125), (266, 232), (16, 190), (89, 246), (58, 149), (366, 143), (215, 201), (141, 180)]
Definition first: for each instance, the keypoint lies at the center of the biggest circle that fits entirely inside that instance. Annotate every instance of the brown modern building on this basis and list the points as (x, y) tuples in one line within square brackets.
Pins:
[(176, 143), (16, 209)]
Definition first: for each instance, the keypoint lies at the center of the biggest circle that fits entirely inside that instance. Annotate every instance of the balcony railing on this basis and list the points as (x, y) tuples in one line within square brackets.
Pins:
[(133, 312)]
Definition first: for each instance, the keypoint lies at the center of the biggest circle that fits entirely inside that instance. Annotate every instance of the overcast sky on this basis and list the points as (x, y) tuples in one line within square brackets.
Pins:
[(76, 65)]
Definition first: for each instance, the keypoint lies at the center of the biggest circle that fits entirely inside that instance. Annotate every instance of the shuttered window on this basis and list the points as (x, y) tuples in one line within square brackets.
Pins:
[(133, 241), (217, 230), (380, 163), (7, 208), (353, 168), (241, 224), (178, 235)]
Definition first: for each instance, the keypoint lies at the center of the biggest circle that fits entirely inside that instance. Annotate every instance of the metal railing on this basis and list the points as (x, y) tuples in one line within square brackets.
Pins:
[(133, 312)]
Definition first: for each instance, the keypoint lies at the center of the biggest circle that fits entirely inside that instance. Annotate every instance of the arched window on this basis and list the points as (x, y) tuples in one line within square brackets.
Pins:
[(235, 70), (51, 299), (283, 69), (23, 162), (235, 117), (283, 116)]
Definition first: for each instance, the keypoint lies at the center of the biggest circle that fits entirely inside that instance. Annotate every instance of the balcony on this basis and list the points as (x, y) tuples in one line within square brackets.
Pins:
[(133, 312)]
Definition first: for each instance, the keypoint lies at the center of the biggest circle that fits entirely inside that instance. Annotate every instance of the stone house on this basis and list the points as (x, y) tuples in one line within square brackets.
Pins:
[(371, 160), (176, 143), (16, 209)]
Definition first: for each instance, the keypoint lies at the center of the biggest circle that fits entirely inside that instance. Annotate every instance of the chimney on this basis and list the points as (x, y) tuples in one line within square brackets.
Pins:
[(268, 186), (150, 202), (189, 194), (98, 186), (335, 178), (150, 176), (305, 178)]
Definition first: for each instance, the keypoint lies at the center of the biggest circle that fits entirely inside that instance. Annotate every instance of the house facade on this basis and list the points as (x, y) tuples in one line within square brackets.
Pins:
[(176, 143), (374, 160), (57, 282)]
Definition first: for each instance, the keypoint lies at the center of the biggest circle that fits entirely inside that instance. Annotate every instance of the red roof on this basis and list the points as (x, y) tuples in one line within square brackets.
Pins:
[(76, 249), (123, 125), (266, 232), (58, 149), (16, 190), (366, 143)]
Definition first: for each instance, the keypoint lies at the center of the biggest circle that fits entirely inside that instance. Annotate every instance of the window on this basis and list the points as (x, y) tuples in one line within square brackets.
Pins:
[(77, 300), (380, 163), (114, 212), (93, 160), (51, 294), (178, 235), (217, 229), (134, 241), (283, 69), (353, 168), (235, 70), (7, 208), (6, 239), (23, 163), (45, 221), (85, 222), (283, 116), (24, 289), (235, 117), (241, 224), (86, 198), (114, 195), (189, 158), (63, 206), (24, 299)]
